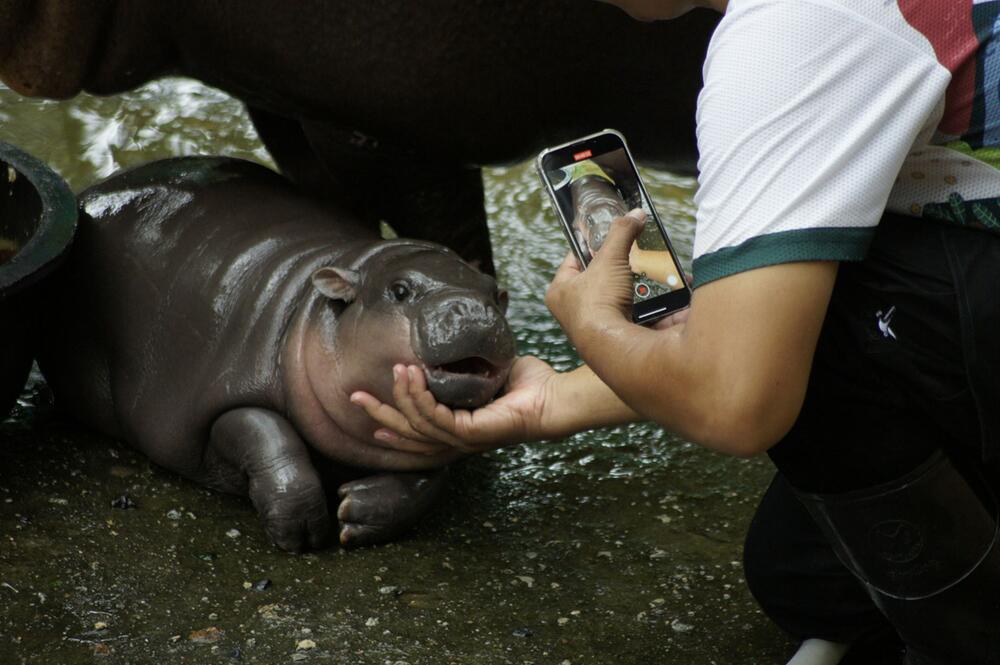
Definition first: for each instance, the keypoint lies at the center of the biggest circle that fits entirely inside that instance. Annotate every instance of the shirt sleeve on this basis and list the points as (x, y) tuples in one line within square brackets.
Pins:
[(807, 114)]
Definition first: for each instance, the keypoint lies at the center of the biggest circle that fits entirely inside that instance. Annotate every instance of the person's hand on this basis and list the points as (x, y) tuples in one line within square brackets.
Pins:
[(515, 417), (678, 317), (675, 319), (634, 260), (581, 299)]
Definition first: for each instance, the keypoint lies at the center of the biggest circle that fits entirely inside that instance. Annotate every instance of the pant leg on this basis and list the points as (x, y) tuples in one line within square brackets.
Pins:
[(888, 385), (891, 385), (798, 580)]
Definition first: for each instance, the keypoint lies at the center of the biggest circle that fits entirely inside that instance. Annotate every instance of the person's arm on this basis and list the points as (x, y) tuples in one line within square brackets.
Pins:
[(538, 403), (732, 377), (797, 159)]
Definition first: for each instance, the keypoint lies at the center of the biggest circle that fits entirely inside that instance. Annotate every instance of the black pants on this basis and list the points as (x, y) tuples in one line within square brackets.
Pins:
[(908, 362)]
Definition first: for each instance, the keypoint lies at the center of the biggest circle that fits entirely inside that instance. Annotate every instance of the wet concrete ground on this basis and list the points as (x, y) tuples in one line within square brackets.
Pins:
[(523, 562), (616, 546)]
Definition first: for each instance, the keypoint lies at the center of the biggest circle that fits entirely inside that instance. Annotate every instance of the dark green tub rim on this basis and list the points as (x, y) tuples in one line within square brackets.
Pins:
[(56, 227)]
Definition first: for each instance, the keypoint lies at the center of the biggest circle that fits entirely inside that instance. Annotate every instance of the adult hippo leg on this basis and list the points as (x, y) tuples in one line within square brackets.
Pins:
[(445, 205), (287, 143), (256, 451), (419, 198), (378, 508)]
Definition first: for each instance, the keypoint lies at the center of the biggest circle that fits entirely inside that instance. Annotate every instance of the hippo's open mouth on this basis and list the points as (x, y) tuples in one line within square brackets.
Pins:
[(467, 383)]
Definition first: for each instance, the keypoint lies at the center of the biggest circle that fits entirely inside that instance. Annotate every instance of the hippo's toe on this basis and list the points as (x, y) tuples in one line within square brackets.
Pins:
[(379, 508)]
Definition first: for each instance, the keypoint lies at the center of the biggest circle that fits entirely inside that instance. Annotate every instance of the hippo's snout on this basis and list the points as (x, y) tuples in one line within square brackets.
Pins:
[(466, 346)]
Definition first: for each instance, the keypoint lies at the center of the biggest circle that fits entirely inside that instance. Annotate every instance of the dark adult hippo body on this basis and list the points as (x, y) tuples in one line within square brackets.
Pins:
[(219, 321), (394, 105)]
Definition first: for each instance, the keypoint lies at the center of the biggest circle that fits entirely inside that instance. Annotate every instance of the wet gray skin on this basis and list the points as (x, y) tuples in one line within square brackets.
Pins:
[(461, 338), (619, 545), (219, 321)]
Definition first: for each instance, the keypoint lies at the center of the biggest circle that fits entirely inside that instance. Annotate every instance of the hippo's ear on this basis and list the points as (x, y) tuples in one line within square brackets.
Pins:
[(336, 283)]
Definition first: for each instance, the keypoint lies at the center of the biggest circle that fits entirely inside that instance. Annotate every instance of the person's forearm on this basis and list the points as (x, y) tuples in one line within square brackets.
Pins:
[(646, 369), (581, 401), (734, 375), (667, 377), (660, 375)]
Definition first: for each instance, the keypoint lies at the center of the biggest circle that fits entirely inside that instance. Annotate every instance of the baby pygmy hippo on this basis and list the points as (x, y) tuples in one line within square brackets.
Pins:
[(219, 321)]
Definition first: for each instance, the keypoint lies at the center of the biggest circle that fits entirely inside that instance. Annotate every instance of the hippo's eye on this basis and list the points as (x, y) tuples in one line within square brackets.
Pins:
[(400, 291)]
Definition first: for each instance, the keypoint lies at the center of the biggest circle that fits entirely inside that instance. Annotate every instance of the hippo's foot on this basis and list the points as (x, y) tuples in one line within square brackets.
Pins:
[(379, 508), (257, 451), (295, 519)]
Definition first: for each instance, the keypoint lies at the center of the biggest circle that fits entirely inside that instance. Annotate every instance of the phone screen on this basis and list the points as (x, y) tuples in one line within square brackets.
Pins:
[(593, 182)]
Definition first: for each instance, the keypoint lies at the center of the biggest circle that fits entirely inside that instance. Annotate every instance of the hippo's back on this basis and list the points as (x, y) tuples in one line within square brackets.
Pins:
[(172, 305)]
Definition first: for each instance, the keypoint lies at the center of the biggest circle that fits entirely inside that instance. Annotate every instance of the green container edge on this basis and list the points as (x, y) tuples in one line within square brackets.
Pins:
[(56, 228)]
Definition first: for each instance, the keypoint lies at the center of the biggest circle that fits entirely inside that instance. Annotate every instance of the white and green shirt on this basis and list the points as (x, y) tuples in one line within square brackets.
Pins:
[(819, 115)]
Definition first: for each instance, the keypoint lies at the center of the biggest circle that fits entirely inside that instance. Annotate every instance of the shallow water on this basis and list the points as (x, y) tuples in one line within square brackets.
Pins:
[(620, 545)]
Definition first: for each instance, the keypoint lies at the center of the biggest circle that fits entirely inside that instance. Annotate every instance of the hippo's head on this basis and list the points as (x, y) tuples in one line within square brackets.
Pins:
[(417, 303)]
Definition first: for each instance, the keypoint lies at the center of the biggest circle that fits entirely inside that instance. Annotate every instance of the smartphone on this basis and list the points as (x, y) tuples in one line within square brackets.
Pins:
[(592, 181)]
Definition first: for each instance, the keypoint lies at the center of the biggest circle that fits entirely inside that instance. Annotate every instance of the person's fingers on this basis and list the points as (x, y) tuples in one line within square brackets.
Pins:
[(569, 268), (423, 411), (554, 291), (402, 418), (424, 399), (387, 416), (401, 392), (387, 438), (398, 431), (458, 427), (674, 319), (637, 213), (623, 233), (401, 396)]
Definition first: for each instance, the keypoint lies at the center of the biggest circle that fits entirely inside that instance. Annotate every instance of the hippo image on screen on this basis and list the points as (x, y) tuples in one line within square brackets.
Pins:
[(218, 321)]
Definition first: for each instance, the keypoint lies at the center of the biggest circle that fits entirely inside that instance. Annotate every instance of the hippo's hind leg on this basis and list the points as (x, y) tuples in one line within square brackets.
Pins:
[(257, 451), (379, 508), (417, 196)]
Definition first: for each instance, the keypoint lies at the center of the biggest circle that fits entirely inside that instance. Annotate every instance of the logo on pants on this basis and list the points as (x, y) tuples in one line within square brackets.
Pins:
[(883, 320), (896, 541)]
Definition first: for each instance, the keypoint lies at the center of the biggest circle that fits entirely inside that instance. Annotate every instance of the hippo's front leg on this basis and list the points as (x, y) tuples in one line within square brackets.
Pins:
[(261, 451), (378, 508)]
